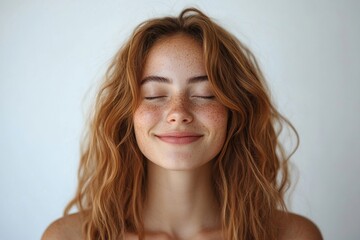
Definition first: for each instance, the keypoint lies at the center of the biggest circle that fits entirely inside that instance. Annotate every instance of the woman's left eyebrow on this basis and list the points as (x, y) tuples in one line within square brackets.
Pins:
[(198, 79)]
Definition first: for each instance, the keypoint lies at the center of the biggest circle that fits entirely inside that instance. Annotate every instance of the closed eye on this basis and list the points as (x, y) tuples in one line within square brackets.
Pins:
[(205, 97), (155, 97)]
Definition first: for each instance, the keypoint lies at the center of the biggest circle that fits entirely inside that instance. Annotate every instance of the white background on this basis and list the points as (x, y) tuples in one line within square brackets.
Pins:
[(53, 54)]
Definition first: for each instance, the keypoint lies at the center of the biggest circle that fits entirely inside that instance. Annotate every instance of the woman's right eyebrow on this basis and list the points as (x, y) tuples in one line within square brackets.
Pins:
[(155, 79)]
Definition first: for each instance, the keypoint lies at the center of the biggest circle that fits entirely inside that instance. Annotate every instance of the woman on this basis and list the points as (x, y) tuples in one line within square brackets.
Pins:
[(183, 144)]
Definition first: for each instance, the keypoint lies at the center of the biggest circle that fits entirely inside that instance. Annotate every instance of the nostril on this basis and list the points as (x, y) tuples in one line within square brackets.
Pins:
[(179, 117)]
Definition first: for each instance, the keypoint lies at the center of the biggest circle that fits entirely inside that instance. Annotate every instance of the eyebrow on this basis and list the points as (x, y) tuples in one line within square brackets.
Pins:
[(167, 80)]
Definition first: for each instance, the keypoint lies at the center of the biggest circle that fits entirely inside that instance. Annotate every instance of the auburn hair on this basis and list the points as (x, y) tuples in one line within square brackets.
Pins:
[(250, 174)]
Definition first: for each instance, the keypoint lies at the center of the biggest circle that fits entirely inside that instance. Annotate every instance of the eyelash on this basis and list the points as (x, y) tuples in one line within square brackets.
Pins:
[(152, 98), (206, 97)]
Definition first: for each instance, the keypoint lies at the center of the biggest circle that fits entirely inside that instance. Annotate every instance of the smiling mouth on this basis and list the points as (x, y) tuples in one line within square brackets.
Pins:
[(179, 138)]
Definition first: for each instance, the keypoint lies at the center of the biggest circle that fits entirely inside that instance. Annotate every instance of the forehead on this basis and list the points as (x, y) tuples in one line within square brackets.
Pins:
[(175, 52), (178, 41)]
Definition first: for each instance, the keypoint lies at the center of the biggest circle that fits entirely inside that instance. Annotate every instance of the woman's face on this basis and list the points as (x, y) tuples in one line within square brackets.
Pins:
[(179, 124)]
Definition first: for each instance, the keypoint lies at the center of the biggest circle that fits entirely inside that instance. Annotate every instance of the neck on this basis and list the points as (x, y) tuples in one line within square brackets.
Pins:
[(180, 203)]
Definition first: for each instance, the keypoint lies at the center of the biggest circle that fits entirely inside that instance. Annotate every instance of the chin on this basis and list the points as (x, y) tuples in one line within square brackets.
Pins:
[(179, 164)]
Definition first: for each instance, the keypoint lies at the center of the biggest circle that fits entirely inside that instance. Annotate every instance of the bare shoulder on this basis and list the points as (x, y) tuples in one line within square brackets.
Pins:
[(67, 228), (296, 227)]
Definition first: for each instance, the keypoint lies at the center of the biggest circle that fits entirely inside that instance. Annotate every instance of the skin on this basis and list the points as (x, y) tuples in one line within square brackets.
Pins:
[(179, 168)]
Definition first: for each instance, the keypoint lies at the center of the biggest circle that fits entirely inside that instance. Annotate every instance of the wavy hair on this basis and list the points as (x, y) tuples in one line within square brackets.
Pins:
[(250, 174)]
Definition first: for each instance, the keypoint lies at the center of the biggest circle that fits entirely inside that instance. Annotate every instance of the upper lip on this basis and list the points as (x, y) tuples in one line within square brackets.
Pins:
[(179, 134)]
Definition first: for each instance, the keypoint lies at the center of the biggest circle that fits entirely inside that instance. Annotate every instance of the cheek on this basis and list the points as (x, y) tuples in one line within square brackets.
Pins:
[(145, 117), (215, 116)]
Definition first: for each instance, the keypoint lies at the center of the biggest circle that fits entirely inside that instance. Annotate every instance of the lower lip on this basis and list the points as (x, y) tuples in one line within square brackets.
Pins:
[(179, 140)]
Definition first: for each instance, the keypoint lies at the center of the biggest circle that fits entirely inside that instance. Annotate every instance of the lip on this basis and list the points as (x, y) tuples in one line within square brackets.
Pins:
[(179, 137)]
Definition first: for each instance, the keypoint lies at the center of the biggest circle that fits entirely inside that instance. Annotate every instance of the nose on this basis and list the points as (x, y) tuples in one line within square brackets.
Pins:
[(179, 112)]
